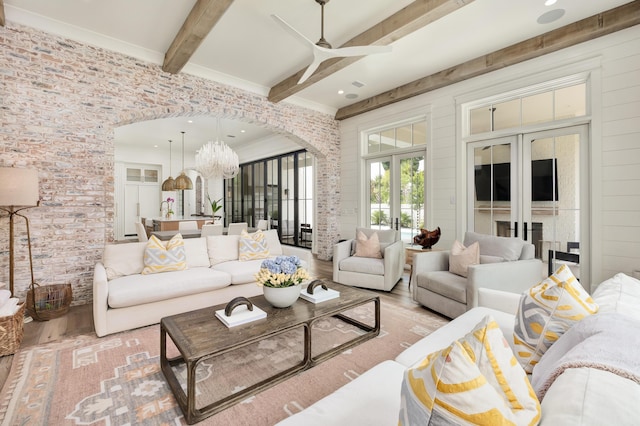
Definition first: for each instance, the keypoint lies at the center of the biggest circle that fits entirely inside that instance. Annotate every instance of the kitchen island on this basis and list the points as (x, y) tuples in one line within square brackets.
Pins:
[(171, 224)]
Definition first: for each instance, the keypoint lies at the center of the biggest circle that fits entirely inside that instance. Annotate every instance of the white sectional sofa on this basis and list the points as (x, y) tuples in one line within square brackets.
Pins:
[(124, 299), (578, 396)]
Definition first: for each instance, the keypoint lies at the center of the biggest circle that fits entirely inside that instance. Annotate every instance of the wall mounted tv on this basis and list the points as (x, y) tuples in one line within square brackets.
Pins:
[(542, 187)]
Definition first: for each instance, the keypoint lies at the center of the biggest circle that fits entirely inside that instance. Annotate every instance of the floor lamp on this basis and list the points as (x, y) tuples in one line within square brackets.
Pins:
[(19, 191)]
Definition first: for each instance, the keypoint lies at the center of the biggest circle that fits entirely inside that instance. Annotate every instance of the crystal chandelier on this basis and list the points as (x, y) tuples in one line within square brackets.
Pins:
[(216, 159)]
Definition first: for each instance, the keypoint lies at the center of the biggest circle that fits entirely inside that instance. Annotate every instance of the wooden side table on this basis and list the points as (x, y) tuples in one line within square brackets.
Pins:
[(409, 251)]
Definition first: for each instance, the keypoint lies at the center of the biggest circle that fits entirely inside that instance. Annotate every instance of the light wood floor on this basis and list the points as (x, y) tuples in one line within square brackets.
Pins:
[(79, 319)]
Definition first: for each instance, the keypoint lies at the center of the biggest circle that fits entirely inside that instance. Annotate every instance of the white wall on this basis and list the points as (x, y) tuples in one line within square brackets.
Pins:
[(613, 64)]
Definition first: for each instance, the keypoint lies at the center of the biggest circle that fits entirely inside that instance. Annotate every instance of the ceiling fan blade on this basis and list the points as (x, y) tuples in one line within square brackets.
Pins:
[(295, 33), (310, 69), (360, 50)]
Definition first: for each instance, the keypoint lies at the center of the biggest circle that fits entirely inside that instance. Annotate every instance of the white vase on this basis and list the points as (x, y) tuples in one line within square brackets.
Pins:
[(282, 297)]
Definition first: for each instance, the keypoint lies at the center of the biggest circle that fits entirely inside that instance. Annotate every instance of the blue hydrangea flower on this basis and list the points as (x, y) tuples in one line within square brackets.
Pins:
[(288, 267), (271, 265)]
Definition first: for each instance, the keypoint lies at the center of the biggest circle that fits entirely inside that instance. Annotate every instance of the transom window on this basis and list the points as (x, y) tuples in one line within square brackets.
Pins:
[(544, 107), (404, 136)]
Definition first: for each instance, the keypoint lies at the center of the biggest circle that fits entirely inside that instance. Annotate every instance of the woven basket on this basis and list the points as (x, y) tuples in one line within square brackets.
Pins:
[(50, 301), (11, 332)]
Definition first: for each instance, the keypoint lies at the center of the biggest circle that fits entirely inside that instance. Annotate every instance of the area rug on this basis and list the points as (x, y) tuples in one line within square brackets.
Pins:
[(116, 380)]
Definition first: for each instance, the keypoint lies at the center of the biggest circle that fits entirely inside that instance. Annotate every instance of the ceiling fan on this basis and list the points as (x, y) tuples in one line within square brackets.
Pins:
[(322, 50)]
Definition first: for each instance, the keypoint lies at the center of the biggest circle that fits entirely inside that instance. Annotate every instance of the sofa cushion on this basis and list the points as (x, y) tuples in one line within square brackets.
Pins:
[(509, 249), (241, 272), (197, 254), (123, 259), (444, 283), (273, 242), (621, 294), (546, 311), (252, 246), (596, 398), (133, 290), (222, 248), (461, 257), (368, 246), (476, 379), (160, 258), (362, 265)]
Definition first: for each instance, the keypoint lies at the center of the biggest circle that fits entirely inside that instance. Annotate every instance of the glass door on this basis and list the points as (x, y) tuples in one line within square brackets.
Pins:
[(397, 193), (493, 182), (533, 186), (555, 191)]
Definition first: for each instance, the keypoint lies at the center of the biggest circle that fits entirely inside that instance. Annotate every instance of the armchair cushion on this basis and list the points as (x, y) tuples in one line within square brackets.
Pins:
[(363, 265), (507, 248), (449, 285), (462, 257), (368, 246)]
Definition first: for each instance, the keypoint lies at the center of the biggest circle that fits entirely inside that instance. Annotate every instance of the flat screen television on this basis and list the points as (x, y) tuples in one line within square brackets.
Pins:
[(542, 182)]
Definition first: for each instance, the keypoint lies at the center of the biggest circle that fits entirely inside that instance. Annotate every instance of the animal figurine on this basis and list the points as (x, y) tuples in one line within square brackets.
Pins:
[(427, 238)]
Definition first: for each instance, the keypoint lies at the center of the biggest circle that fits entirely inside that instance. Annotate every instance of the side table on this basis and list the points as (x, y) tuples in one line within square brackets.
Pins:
[(409, 251)]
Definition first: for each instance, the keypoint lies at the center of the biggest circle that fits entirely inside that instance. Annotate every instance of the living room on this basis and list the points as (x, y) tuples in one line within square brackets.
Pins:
[(63, 99)]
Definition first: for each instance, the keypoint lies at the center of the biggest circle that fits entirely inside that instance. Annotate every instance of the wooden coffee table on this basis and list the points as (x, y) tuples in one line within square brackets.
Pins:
[(199, 336)]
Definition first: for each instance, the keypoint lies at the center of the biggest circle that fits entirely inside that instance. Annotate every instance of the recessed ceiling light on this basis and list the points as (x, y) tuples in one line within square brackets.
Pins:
[(340, 92), (242, 131), (189, 121), (155, 146), (551, 16), (550, 2)]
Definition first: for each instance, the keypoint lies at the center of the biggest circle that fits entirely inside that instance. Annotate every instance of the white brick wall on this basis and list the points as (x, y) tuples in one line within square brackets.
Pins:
[(59, 104)]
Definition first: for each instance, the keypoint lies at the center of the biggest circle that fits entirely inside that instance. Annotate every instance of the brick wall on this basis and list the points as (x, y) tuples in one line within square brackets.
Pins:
[(59, 104)]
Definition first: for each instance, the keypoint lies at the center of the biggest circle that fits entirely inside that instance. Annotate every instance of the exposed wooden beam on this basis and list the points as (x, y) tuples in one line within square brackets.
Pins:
[(202, 18), (587, 29), (2, 19), (412, 17)]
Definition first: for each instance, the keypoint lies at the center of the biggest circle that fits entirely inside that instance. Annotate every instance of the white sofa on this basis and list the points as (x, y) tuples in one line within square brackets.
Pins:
[(579, 396), (124, 299)]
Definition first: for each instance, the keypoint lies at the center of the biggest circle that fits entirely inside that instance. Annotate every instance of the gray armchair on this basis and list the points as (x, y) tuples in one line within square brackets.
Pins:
[(378, 274), (506, 264)]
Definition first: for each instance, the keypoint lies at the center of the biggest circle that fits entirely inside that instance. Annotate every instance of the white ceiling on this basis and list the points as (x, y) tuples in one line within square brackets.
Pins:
[(248, 49)]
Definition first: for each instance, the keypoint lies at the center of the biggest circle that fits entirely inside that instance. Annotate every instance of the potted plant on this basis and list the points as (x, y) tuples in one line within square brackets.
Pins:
[(216, 205), (281, 279)]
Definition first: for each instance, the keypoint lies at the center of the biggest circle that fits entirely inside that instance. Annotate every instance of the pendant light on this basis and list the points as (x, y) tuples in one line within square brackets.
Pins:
[(169, 184), (183, 182)]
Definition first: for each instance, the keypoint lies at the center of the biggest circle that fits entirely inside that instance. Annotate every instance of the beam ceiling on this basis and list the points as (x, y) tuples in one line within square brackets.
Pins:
[(613, 20), (202, 18), (2, 19), (407, 20)]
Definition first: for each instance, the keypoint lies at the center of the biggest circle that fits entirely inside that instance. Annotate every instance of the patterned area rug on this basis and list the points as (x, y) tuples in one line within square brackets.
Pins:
[(116, 380)]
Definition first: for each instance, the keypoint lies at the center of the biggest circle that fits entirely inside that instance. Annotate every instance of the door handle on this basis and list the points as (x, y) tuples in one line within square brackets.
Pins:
[(515, 230), (524, 231)]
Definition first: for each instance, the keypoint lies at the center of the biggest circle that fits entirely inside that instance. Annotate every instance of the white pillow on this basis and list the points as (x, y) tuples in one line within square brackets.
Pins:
[(197, 254), (222, 248), (461, 257)]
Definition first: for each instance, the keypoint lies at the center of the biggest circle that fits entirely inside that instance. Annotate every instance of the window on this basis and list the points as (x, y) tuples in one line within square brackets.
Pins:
[(543, 107)]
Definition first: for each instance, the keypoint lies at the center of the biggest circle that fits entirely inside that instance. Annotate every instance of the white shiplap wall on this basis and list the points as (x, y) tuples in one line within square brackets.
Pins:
[(615, 147)]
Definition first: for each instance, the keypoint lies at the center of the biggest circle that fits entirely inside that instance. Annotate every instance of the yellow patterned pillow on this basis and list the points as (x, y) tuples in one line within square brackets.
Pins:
[(158, 258), (546, 311), (252, 246), (483, 385)]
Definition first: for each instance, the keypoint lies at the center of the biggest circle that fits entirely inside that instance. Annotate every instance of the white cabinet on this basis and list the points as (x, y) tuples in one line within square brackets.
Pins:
[(138, 192)]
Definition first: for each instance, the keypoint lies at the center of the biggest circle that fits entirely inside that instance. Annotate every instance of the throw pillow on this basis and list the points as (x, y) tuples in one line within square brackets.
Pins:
[(461, 257), (481, 384), (368, 247), (158, 258), (252, 246), (546, 311)]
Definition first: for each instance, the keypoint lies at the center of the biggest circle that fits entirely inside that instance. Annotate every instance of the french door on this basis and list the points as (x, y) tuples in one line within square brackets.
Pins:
[(533, 186), (396, 193)]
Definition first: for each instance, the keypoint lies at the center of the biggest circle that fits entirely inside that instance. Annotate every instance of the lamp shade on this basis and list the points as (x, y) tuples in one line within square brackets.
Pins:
[(19, 187)]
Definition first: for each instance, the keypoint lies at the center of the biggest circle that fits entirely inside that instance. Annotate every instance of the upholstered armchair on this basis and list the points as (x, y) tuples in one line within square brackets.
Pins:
[(370, 272), (506, 264)]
